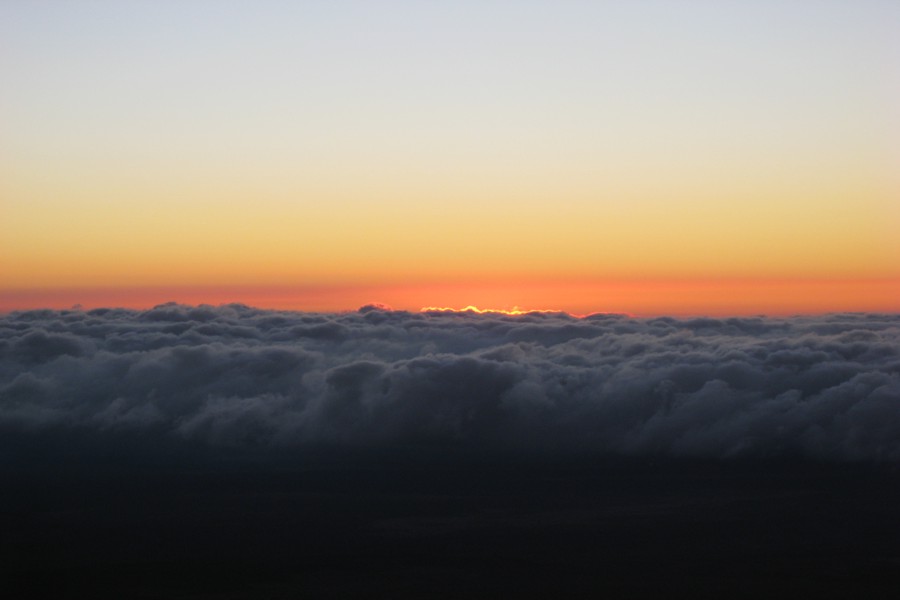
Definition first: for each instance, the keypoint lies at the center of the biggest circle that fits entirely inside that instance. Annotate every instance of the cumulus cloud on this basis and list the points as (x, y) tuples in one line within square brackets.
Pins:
[(233, 376)]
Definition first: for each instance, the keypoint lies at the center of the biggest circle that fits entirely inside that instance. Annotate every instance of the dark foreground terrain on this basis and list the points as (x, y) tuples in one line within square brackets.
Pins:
[(406, 522), (233, 452)]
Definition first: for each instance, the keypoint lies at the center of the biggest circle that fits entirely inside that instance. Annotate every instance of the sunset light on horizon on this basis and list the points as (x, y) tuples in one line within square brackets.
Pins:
[(635, 157), (714, 297)]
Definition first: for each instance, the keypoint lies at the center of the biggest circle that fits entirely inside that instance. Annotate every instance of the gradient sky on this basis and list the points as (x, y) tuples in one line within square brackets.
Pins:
[(645, 156)]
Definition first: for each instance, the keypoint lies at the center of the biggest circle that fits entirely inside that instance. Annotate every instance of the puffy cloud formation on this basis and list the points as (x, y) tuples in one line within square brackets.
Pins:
[(817, 387)]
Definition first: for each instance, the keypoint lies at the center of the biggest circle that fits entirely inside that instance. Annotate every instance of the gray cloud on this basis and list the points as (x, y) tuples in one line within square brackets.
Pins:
[(818, 387)]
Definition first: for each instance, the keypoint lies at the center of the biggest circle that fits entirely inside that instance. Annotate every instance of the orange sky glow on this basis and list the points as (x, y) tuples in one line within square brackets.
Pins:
[(641, 158), (635, 297)]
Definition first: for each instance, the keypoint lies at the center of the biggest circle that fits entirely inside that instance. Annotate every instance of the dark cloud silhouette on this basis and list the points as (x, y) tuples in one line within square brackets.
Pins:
[(234, 452), (233, 376)]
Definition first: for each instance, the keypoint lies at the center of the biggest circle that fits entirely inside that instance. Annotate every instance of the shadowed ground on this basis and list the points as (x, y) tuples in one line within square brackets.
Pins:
[(232, 452), (408, 523)]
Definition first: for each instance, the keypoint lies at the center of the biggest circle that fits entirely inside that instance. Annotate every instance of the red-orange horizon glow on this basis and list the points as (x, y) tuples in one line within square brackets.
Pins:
[(638, 297)]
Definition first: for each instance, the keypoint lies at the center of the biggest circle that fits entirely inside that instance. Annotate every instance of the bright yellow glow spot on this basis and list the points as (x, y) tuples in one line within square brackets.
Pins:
[(514, 311)]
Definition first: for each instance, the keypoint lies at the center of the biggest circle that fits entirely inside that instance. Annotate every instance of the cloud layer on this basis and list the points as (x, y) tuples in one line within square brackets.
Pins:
[(232, 376)]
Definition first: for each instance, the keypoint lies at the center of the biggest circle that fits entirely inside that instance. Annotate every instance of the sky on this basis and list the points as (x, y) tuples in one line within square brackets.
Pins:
[(640, 157)]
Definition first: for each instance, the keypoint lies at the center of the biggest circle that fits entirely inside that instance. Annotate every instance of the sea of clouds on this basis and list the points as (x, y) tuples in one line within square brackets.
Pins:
[(823, 387)]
